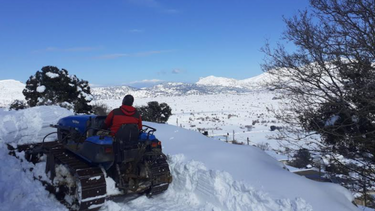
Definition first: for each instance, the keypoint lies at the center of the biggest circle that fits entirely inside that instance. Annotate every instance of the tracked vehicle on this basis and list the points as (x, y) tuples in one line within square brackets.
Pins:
[(79, 161)]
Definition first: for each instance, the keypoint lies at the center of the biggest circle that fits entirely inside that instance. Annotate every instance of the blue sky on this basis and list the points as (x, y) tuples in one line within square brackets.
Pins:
[(127, 41)]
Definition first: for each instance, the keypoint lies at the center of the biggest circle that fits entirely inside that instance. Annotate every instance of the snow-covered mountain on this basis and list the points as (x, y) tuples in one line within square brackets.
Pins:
[(256, 82), (205, 86), (165, 89), (10, 90)]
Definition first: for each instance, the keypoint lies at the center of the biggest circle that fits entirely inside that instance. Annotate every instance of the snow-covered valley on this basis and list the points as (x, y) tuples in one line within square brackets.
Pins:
[(208, 173), (225, 117)]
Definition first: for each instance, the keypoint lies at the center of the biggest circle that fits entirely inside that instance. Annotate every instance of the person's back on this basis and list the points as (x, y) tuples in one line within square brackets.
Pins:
[(125, 114)]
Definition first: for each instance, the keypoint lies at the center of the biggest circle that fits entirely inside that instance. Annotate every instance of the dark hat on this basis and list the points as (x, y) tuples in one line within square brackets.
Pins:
[(128, 100)]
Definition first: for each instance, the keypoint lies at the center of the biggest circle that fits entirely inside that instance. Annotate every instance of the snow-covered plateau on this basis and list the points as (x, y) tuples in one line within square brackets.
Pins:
[(207, 174)]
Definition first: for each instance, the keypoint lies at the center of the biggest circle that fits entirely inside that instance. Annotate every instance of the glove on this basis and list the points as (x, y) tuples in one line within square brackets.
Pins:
[(103, 133)]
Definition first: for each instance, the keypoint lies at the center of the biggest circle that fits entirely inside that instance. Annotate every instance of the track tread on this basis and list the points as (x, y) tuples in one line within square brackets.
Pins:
[(92, 180)]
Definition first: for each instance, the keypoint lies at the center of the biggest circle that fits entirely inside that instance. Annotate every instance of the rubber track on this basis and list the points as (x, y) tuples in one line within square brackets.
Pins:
[(161, 176), (92, 179), (93, 186)]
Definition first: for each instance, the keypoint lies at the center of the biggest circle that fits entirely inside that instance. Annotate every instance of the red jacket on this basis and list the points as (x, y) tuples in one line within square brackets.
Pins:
[(123, 115)]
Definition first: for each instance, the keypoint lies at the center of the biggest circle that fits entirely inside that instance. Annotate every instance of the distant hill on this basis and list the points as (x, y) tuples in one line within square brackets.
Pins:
[(12, 89), (206, 85), (256, 82)]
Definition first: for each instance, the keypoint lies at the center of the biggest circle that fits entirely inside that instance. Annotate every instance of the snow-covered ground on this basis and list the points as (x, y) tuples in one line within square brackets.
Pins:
[(224, 116), (207, 174)]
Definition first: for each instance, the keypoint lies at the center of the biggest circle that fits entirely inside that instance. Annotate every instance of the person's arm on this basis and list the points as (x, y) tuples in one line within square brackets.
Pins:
[(108, 120)]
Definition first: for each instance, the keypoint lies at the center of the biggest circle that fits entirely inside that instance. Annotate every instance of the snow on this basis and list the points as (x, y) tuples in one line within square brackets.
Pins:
[(52, 75), (87, 97), (208, 174), (217, 81), (10, 90), (95, 178), (250, 83), (331, 121), (18, 189), (244, 114), (253, 166), (41, 89), (29, 125)]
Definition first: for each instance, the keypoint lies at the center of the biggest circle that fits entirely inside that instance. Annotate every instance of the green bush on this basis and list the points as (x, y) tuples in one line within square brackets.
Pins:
[(155, 112), (18, 105), (100, 109), (301, 159), (52, 86)]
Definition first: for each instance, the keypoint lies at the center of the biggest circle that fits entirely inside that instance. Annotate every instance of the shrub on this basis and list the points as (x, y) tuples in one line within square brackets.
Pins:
[(100, 109), (301, 159), (52, 86), (155, 112), (18, 105)]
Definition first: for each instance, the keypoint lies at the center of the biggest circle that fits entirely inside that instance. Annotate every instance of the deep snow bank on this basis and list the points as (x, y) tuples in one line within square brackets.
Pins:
[(253, 167), (18, 189), (207, 174), (29, 125), (197, 188), (10, 90)]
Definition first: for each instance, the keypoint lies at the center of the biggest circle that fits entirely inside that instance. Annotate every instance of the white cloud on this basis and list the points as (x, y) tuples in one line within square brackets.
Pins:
[(148, 81), (145, 83), (148, 53), (161, 72), (155, 5), (171, 11), (145, 3), (177, 71), (139, 54), (136, 30), (74, 49), (112, 56)]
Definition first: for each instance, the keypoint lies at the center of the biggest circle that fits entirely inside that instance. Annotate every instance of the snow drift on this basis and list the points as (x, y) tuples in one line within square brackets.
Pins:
[(207, 174), (10, 90)]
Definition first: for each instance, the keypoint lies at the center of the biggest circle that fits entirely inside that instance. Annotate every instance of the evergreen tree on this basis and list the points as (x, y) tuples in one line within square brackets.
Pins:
[(52, 86), (301, 159), (155, 112)]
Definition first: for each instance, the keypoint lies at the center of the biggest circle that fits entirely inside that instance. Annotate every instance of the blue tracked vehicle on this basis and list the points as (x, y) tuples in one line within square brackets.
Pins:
[(83, 155)]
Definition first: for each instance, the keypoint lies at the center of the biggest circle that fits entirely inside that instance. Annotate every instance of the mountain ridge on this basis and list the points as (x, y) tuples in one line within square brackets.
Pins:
[(12, 89)]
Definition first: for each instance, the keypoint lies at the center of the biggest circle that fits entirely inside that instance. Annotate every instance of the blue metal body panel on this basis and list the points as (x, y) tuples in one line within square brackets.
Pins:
[(94, 148), (106, 140), (145, 136), (79, 122)]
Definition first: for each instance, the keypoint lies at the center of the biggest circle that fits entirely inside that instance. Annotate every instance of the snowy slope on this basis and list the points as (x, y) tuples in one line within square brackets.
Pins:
[(252, 83), (218, 81), (10, 90), (208, 174)]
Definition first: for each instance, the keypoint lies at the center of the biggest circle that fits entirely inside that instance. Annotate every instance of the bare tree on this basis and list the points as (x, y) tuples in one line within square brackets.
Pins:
[(329, 80)]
